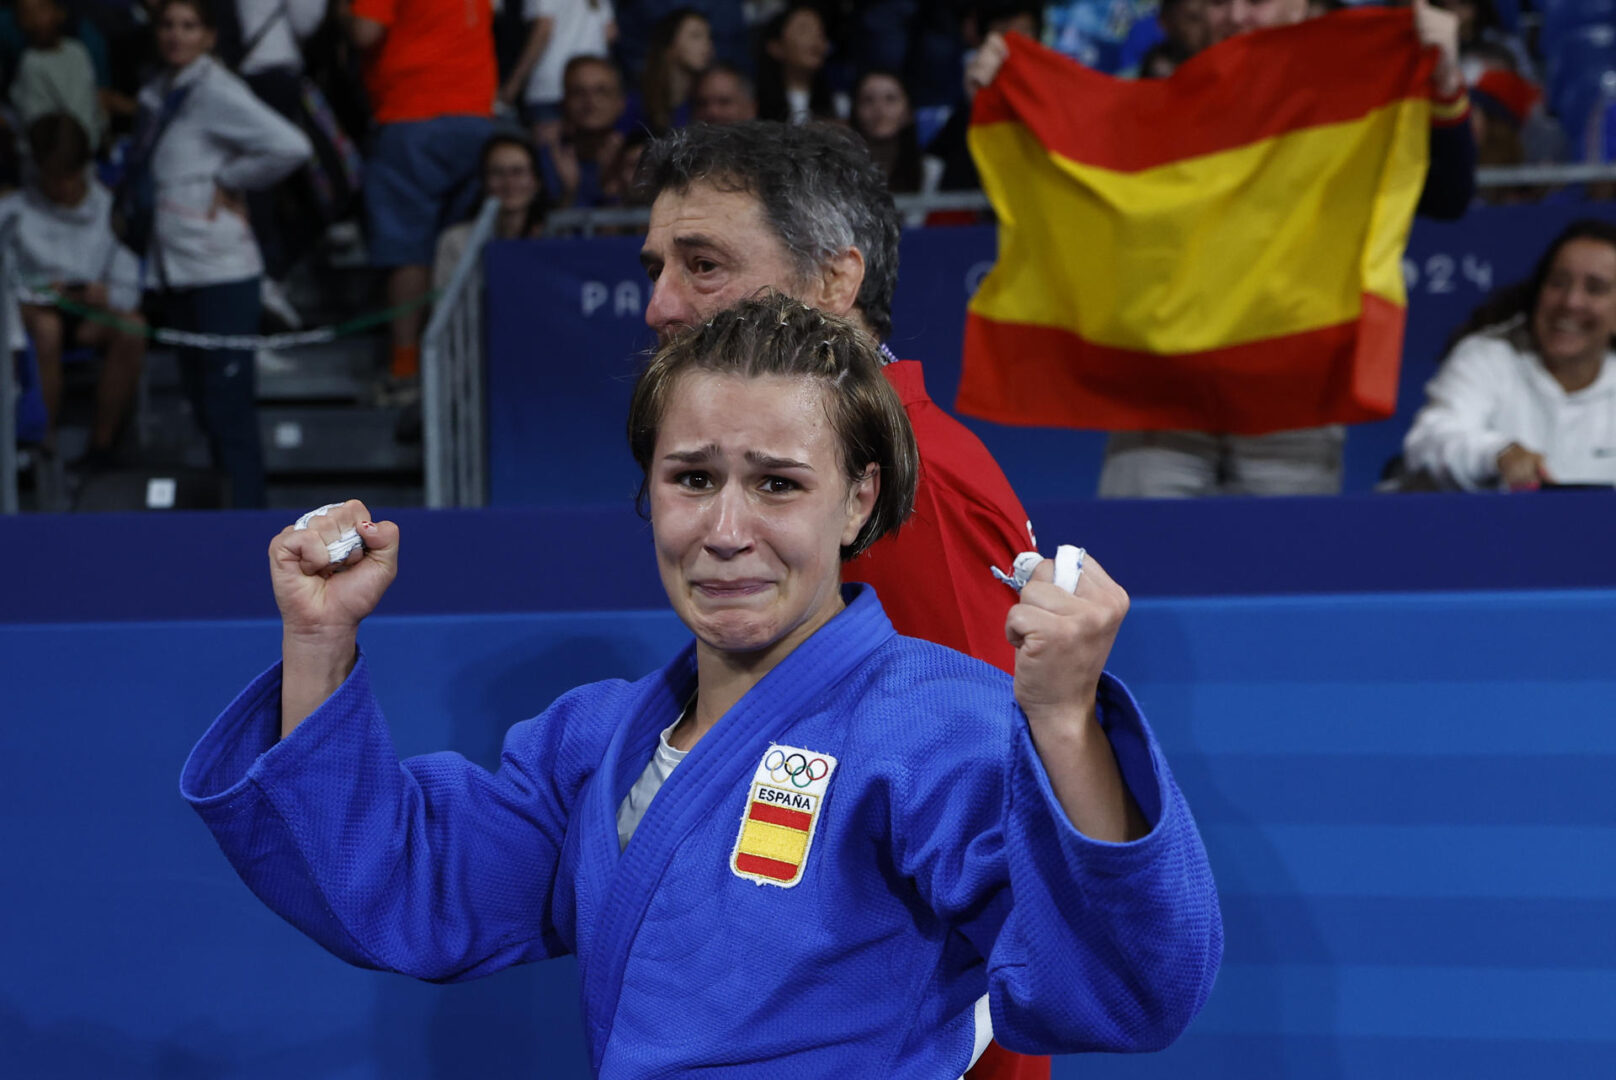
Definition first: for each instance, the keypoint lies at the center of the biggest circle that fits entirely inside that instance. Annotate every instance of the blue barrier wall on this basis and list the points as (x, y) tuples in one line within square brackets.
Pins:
[(593, 558), (1406, 800), (565, 321), (1406, 795)]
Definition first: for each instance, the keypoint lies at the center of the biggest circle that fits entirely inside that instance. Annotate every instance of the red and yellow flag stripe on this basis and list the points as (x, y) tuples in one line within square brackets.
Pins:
[(1220, 250), (774, 840)]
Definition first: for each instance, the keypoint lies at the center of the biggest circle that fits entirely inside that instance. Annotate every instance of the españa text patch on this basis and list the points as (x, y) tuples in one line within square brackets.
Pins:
[(782, 810)]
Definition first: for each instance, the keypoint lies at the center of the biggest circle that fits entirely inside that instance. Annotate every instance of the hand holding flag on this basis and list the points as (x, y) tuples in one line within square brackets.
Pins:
[(1218, 251)]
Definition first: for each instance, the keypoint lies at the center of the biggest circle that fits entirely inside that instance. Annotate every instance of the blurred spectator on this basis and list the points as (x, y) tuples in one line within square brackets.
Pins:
[(273, 32), (618, 187), (726, 22), (1475, 18), (335, 64), (1158, 62), (722, 95), (979, 23), (128, 26), (883, 118), (54, 73), (1528, 396), (882, 32), (562, 30), (77, 27), (1107, 35), (1486, 56), (10, 161), (1501, 102), (205, 138), (429, 67), (64, 242), (1502, 90), (792, 83), (757, 13), (936, 53), (1480, 27), (1185, 32), (983, 18), (843, 23), (681, 49), (509, 168), (576, 163)]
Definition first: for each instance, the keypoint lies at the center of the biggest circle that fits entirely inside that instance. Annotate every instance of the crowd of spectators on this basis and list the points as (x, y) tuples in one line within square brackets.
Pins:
[(246, 118)]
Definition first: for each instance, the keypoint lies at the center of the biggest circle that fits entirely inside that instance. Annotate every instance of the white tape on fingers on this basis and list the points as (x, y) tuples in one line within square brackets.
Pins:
[(1069, 566), (1021, 570), (303, 522), (343, 546)]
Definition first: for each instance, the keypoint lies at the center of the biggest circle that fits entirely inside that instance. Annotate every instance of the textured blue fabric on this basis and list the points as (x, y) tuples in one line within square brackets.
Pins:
[(942, 867)]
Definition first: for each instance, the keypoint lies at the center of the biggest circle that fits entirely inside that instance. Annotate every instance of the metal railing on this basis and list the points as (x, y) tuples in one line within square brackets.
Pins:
[(1545, 175), (588, 222), (9, 390), (452, 380)]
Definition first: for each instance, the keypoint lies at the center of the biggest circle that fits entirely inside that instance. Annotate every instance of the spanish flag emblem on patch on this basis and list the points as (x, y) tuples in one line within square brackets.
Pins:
[(782, 810)]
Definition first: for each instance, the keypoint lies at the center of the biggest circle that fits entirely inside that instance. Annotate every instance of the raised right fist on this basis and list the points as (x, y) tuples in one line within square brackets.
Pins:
[(318, 598)]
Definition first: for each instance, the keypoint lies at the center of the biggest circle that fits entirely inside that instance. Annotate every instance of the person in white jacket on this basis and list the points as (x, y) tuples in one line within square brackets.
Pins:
[(64, 245), (1530, 399), (216, 140)]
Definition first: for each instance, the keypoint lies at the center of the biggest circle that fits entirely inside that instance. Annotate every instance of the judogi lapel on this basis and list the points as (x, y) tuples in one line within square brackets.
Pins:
[(714, 778)]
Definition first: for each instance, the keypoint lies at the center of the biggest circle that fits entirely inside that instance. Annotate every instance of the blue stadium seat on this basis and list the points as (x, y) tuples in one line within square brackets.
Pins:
[(929, 120), (1599, 132), (30, 400), (1576, 67), (1562, 19), (1579, 105)]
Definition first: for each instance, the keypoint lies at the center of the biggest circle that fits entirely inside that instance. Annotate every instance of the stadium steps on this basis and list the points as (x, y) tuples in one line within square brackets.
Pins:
[(332, 428)]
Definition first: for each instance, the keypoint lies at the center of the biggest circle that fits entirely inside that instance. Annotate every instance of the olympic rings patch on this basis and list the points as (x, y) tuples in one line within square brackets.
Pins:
[(782, 812), (795, 768)]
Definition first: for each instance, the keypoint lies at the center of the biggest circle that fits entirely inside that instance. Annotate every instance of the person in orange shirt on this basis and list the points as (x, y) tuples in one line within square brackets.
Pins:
[(430, 71)]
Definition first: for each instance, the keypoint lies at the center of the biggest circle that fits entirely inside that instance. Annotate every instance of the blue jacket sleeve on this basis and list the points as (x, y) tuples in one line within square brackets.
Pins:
[(431, 867), (1109, 946), (1089, 945)]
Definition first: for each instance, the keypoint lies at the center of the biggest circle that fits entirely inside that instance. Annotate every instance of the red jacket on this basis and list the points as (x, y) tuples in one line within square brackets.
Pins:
[(932, 575)]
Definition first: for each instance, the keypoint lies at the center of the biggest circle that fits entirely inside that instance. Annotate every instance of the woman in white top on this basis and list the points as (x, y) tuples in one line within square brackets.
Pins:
[(792, 83), (214, 141), (1531, 399)]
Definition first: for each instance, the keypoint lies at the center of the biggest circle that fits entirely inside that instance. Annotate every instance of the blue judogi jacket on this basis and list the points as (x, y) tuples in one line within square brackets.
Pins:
[(938, 884)]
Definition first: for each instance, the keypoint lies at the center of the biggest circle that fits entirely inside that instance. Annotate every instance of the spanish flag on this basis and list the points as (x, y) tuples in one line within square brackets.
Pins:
[(1218, 251)]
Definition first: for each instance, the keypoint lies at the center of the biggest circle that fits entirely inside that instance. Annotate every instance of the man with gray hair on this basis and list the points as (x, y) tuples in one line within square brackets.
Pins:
[(741, 208)]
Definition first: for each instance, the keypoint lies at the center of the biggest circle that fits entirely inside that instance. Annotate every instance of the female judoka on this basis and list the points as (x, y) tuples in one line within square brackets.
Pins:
[(805, 847)]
